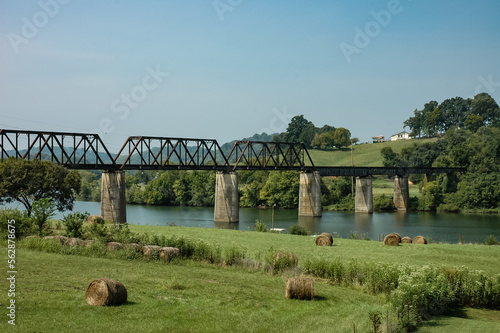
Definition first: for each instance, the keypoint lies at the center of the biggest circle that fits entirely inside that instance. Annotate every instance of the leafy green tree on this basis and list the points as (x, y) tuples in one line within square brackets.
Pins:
[(160, 190), (454, 111), (389, 157), (484, 105), (28, 181), (282, 189), (90, 189), (42, 209), (342, 137), (324, 140)]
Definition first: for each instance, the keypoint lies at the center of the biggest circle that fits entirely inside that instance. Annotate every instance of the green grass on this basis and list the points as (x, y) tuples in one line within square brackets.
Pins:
[(189, 296), (257, 245), (182, 297), (367, 154)]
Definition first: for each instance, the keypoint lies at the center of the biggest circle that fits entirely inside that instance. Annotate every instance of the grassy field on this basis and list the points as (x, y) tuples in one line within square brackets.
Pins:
[(189, 296), (367, 154)]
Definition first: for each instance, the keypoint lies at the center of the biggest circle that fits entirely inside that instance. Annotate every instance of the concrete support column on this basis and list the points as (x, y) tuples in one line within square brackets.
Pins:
[(364, 195), (113, 199), (401, 193), (310, 194), (227, 207)]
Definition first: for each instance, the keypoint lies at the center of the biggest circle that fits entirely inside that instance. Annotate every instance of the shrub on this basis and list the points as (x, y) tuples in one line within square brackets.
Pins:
[(74, 224), (383, 203), (298, 230), (23, 226), (491, 240), (260, 226), (42, 210)]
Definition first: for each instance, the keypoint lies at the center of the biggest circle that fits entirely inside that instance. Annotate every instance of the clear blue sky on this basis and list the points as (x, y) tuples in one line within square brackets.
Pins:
[(227, 69)]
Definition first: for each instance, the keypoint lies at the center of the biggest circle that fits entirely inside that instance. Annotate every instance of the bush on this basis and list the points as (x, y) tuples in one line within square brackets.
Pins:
[(42, 210), (74, 224), (260, 226), (491, 240), (23, 226), (298, 230), (383, 203)]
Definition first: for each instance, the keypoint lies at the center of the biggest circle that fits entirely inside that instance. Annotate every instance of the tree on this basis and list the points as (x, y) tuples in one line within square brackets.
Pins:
[(342, 137), (324, 140), (454, 111), (28, 181), (43, 209), (484, 105)]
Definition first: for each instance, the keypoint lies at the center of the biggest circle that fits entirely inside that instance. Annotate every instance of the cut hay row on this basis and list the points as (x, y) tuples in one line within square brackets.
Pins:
[(394, 239)]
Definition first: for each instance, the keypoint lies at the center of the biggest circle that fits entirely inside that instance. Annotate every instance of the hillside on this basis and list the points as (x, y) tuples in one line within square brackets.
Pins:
[(366, 154)]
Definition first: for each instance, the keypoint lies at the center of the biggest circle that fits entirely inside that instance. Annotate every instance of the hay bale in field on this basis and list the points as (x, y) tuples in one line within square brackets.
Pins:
[(61, 239), (133, 246), (113, 246), (299, 288), (284, 259), (397, 235), (323, 240), (149, 250), (105, 292), (419, 240), (330, 237), (95, 219), (406, 240), (392, 240), (168, 253), (74, 242)]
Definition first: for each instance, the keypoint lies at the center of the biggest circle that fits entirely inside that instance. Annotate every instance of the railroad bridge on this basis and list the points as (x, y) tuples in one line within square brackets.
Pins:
[(88, 152)]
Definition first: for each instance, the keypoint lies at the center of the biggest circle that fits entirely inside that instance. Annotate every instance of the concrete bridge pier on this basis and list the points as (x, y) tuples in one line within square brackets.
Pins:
[(227, 207), (113, 199), (310, 194), (401, 193), (364, 195)]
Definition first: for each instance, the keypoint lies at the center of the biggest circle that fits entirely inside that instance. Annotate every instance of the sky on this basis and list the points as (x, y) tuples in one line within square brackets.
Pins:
[(227, 69)]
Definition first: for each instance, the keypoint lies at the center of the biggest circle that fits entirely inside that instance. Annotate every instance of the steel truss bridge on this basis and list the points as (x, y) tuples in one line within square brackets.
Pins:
[(88, 152)]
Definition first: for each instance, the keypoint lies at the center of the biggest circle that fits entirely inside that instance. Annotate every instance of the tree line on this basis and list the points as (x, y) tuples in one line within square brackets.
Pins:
[(437, 118), (470, 138)]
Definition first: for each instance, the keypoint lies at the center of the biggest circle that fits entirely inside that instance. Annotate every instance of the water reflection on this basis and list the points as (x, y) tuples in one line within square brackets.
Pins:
[(439, 227)]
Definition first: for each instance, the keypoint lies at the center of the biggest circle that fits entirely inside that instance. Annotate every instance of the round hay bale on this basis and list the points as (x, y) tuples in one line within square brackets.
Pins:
[(284, 259), (323, 240), (113, 246), (133, 246), (392, 240), (397, 235), (299, 288), (168, 253), (95, 219), (105, 292), (149, 250), (61, 239), (419, 240), (406, 240), (74, 242), (330, 237)]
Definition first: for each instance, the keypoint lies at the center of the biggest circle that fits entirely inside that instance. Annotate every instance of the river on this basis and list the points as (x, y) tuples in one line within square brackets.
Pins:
[(437, 226)]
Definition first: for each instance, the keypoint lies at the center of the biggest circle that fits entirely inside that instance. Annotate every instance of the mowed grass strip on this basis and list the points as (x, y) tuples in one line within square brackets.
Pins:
[(182, 297)]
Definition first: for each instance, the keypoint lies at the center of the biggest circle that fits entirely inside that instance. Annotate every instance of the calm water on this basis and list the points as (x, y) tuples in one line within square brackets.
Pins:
[(439, 227)]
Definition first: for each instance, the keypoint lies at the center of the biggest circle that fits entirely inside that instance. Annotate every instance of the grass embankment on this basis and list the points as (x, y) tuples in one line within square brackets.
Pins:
[(366, 154), (189, 296)]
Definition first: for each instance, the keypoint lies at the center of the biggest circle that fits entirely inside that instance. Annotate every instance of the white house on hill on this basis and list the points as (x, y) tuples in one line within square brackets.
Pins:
[(400, 136)]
